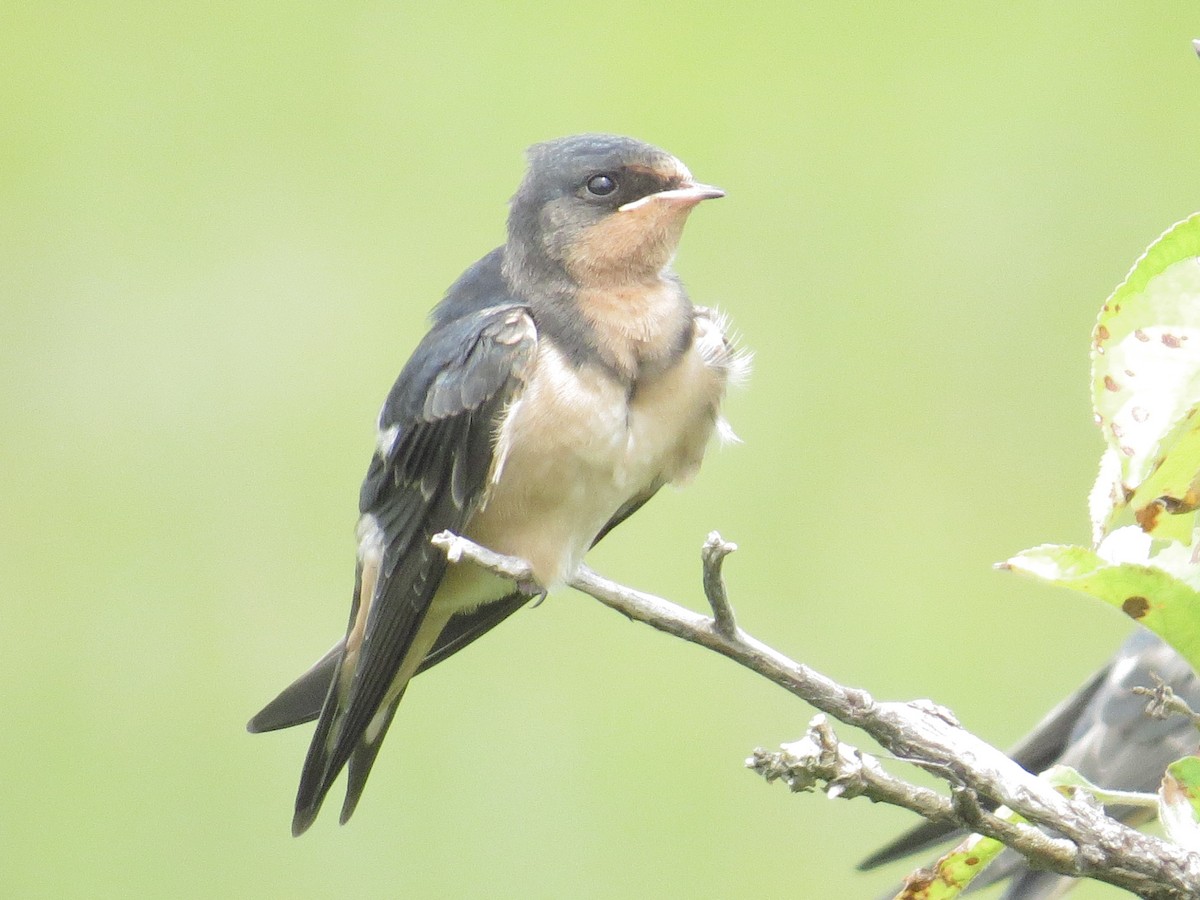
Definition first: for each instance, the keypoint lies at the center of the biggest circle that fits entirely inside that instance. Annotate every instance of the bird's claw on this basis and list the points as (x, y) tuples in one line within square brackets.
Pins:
[(534, 590)]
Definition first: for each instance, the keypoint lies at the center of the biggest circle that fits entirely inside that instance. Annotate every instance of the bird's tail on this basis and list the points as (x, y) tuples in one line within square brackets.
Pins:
[(323, 765)]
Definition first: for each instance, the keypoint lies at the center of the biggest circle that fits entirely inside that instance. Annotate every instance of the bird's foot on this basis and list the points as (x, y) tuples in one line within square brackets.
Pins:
[(532, 589)]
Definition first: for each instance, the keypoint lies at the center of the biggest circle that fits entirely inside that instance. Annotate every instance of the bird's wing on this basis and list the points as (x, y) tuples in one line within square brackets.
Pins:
[(1036, 752), (628, 509), (433, 469), (1102, 731), (301, 701)]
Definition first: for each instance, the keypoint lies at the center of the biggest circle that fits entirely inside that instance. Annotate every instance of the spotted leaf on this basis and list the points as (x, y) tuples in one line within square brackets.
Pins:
[(1160, 592), (1146, 384), (1179, 802)]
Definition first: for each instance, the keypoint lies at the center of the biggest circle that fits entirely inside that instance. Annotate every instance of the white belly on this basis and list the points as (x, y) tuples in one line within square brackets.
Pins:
[(575, 448)]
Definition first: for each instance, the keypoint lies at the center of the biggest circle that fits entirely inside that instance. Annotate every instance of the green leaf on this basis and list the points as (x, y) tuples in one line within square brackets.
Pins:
[(1158, 593), (1061, 776), (951, 874), (1179, 802), (1146, 383), (1162, 500)]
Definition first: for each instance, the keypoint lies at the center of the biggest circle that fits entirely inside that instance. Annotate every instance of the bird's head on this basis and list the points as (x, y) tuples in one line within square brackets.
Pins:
[(600, 209)]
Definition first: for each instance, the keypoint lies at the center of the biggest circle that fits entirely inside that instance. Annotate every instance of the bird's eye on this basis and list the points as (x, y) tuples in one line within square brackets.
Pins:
[(601, 185)]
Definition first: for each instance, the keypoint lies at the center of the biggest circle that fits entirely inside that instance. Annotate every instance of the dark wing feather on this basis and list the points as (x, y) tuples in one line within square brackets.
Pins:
[(1037, 752), (301, 701), (445, 407), (628, 509), (1104, 733)]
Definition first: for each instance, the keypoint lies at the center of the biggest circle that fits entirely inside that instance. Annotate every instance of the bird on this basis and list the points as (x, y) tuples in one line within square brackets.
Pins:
[(1104, 732), (566, 377)]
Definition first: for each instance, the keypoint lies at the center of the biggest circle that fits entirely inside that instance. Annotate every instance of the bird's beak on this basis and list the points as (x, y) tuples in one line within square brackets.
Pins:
[(688, 195)]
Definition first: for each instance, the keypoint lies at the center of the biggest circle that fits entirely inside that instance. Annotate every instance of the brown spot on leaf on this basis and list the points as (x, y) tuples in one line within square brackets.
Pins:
[(1139, 414), (1128, 451), (972, 860), (1111, 384), (1101, 333), (1117, 430), (1135, 607), (1141, 335), (1127, 492), (1147, 516), (1129, 372), (1171, 341), (919, 882)]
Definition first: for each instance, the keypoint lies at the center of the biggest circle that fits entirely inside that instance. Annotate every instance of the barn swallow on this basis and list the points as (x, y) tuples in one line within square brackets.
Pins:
[(1104, 733), (565, 379)]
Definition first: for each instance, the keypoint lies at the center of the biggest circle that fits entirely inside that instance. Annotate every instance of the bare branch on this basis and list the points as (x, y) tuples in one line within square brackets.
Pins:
[(456, 548), (820, 757), (1164, 702), (921, 732), (713, 555)]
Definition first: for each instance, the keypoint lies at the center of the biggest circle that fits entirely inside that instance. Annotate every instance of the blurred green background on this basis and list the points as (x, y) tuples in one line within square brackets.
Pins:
[(222, 228)]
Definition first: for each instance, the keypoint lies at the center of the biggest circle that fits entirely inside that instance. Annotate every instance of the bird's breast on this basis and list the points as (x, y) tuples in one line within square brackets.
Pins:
[(577, 444)]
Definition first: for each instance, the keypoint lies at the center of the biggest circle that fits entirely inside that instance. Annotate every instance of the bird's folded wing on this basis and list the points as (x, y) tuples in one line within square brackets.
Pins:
[(1102, 731), (432, 471)]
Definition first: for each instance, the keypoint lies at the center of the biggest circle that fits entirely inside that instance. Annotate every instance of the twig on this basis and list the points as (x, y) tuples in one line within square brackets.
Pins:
[(457, 548), (1164, 702), (713, 555), (848, 772), (921, 732)]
